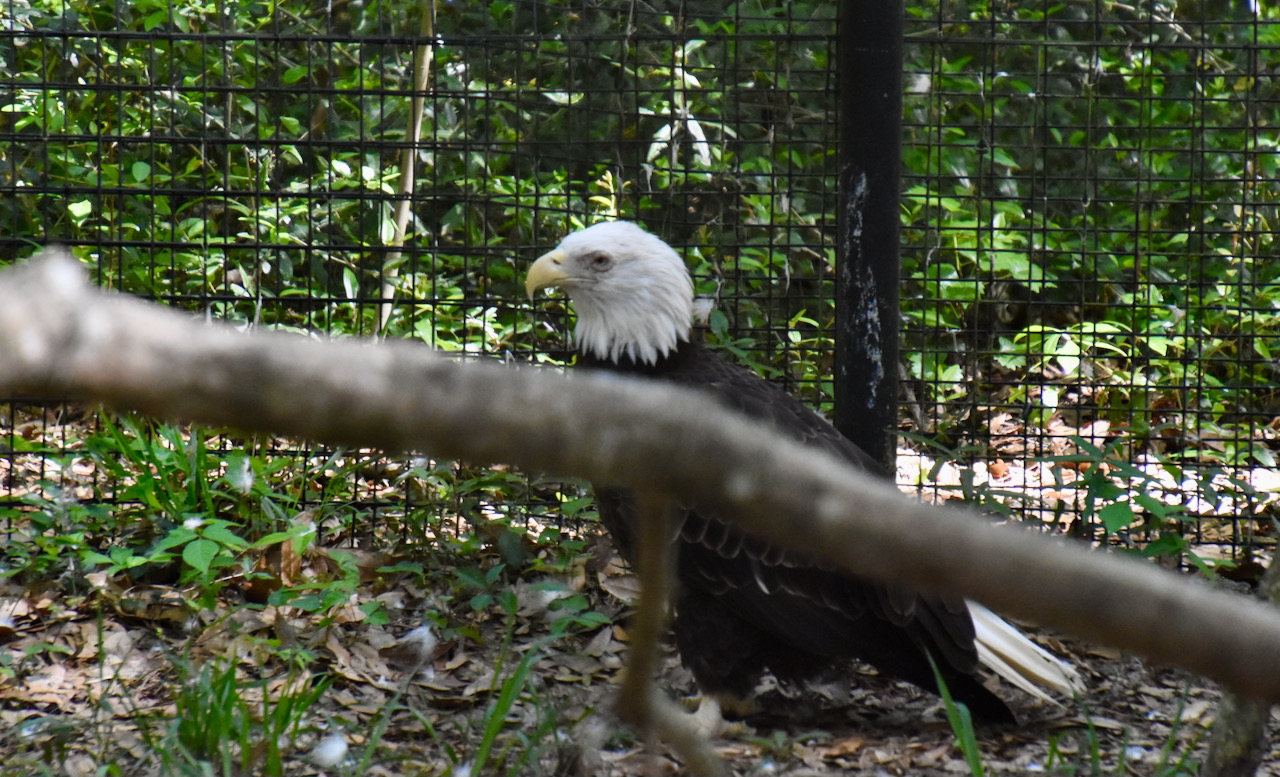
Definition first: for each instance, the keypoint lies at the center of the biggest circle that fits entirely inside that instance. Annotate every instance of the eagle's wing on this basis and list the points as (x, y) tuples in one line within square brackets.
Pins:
[(815, 608)]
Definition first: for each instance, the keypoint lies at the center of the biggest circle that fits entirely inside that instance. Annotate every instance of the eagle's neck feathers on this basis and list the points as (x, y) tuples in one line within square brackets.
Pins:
[(643, 325)]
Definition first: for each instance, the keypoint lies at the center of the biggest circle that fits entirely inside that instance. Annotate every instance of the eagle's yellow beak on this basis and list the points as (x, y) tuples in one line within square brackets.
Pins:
[(547, 271)]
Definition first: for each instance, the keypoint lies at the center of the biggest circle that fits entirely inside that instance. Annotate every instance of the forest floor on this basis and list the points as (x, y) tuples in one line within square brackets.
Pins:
[(95, 686), (121, 673)]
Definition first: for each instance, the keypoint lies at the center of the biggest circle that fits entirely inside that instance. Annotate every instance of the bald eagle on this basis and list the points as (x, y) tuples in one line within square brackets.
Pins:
[(743, 607)]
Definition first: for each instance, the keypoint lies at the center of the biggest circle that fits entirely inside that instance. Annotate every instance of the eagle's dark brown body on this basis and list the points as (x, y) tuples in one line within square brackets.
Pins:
[(743, 607)]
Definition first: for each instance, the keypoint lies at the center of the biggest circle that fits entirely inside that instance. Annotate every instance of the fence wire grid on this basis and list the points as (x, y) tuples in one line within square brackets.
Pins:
[(1089, 288)]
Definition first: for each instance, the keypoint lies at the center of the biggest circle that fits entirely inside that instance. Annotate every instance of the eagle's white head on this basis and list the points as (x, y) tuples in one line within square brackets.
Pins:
[(631, 291)]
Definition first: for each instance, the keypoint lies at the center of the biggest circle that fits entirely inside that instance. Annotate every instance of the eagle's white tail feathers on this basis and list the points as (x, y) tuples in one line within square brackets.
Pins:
[(1010, 654)]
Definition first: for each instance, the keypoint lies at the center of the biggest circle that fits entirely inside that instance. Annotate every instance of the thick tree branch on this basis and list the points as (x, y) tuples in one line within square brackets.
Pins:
[(639, 703), (1239, 740), (59, 336)]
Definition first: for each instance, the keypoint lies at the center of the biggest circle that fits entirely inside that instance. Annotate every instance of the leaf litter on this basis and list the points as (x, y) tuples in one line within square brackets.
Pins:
[(90, 670)]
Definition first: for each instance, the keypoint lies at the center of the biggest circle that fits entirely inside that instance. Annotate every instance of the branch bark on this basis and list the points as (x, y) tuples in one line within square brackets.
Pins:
[(59, 336), (1239, 740)]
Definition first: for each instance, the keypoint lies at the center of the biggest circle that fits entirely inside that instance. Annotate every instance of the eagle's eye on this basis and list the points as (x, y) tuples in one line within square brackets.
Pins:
[(599, 261)]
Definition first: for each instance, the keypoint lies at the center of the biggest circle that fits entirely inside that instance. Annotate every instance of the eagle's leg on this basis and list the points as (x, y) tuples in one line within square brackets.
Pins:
[(707, 713), (639, 704), (708, 719)]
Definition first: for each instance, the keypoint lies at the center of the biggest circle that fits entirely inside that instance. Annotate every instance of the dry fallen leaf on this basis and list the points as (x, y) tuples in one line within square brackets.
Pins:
[(625, 588), (843, 747), (601, 643)]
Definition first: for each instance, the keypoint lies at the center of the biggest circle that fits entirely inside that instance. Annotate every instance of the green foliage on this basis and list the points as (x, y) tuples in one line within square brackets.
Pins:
[(1073, 760), (574, 615), (320, 596), (1136, 202), (56, 532), (961, 722), (178, 510), (1141, 509), (219, 728), (1108, 179), (505, 693), (497, 744), (283, 221), (1100, 495)]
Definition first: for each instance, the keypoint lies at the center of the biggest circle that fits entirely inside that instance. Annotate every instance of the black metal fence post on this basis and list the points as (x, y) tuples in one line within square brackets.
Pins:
[(867, 277)]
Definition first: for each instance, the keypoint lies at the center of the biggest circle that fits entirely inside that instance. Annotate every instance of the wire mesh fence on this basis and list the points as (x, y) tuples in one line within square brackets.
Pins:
[(1091, 205), (253, 166), (1089, 199)]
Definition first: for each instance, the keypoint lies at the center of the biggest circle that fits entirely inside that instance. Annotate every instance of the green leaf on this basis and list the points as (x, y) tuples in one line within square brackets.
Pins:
[(374, 613), (178, 536), (94, 557), (1167, 544), (1002, 157), (274, 538), (1116, 516), (155, 19), (218, 532), (199, 554), (563, 98)]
